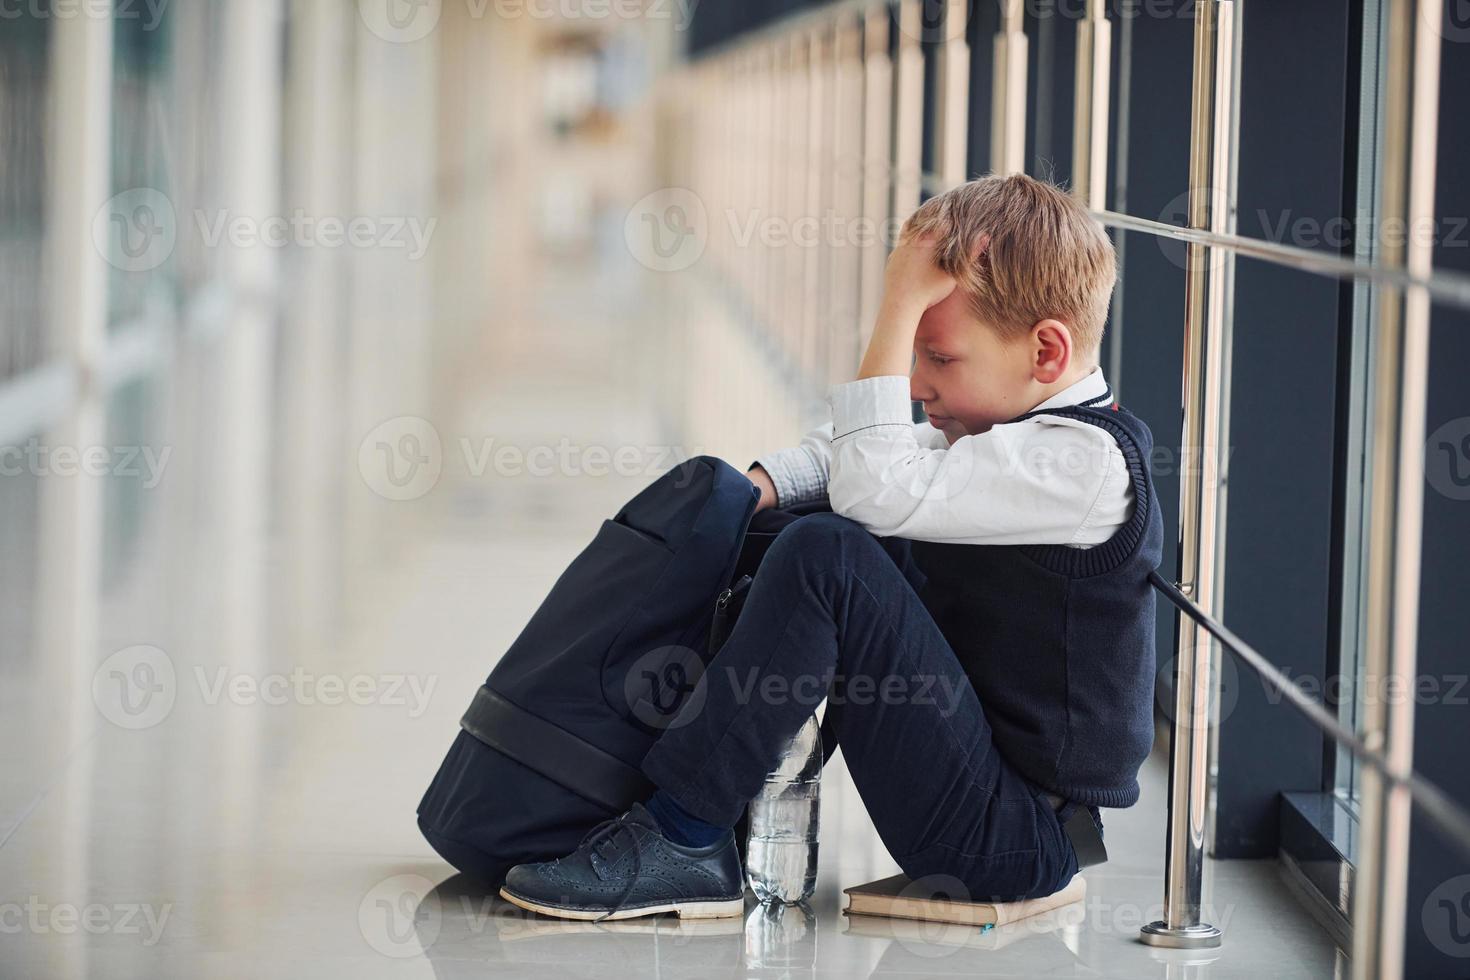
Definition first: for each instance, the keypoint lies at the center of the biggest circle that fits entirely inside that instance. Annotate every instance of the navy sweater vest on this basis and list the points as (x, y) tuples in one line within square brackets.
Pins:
[(1059, 642)]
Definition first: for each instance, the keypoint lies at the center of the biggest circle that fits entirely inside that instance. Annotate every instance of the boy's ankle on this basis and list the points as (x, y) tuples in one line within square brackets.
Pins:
[(680, 826)]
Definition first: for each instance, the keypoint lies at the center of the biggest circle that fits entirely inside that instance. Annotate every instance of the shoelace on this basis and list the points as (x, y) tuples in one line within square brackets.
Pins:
[(605, 833)]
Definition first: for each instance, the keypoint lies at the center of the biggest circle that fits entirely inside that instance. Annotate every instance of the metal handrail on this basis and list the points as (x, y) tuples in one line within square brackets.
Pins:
[(1446, 286), (1453, 819)]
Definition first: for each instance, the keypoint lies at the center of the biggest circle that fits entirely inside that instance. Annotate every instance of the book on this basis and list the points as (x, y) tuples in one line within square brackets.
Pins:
[(969, 937), (897, 897)]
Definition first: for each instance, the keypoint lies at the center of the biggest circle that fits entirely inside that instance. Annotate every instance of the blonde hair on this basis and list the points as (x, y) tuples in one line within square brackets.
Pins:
[(1043, 256)]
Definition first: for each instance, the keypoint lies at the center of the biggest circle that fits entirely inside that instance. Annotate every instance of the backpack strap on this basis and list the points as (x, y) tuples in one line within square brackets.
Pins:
[(555, 753)]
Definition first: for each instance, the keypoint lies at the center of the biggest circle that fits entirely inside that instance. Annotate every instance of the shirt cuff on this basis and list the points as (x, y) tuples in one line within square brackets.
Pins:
[(868, 402), (795, 475)]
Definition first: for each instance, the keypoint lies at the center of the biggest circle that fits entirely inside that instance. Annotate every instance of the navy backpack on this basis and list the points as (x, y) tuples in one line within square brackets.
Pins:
[(552, 741)]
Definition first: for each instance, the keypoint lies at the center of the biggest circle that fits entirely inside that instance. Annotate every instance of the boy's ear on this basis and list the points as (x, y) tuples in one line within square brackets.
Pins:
[(1052, 350)]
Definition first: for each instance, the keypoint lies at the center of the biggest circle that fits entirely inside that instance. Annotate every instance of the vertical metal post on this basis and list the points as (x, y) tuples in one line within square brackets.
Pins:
[(77, 191), (1124, 81), (908, 145), (847, 155), (1211, 154), (1008, 108), (953, 112), (878, 113), (778, 150), (757, 186), (69, 536), (738, 84), (1395, 529), (318, 132), (815, 257), (238, 484), (793, 269), (1222, 320), (761, 194), (720, 173), (1090, 119)]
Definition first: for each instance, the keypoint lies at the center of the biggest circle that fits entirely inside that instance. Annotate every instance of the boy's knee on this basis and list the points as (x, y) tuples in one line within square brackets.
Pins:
[(818, 532), (824, 540)]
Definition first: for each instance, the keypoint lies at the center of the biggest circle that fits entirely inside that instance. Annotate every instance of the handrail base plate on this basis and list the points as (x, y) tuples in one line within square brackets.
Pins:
[(1201, 936)]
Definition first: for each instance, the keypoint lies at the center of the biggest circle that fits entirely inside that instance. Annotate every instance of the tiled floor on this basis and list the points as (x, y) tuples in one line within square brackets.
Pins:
[(263, 827)]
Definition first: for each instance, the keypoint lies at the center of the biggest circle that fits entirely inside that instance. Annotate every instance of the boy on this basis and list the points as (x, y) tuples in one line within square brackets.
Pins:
[(976, 609)]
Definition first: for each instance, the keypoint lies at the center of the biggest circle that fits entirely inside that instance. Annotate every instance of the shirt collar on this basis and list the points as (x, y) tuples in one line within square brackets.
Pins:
[(1093, 391)]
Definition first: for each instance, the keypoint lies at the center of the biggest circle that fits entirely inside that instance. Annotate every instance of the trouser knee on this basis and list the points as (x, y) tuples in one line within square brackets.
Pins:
[(817, 537)]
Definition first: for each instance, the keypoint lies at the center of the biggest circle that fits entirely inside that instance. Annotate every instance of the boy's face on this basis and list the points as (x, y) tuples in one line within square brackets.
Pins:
[(966, 377)]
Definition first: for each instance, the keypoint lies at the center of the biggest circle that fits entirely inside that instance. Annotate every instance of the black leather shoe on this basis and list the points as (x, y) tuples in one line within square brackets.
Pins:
[(625, 868)]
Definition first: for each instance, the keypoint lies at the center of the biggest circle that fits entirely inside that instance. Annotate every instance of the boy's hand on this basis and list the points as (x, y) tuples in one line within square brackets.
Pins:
[(914, 278), (762, 479), (912, 283)]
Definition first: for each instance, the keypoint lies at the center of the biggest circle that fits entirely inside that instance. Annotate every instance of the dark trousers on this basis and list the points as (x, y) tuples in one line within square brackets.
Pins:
[(833, 612)]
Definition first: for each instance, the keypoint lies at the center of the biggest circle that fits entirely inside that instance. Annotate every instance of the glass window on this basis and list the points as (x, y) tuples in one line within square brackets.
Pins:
[(24, 53), (1360, 394), (143, 215)]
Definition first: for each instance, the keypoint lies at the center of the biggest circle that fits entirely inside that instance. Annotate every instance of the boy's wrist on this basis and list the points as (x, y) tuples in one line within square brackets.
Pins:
[(762, 480), (903, 304), (890, 349)]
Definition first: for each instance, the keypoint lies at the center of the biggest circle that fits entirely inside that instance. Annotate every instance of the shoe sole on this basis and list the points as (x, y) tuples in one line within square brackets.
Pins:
[(684, 910)]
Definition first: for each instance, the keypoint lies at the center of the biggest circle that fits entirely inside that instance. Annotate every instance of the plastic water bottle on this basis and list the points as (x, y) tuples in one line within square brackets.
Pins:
[(781, 941), (781, 856)]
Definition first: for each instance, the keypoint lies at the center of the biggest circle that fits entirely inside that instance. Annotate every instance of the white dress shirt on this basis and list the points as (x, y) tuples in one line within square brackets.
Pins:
[(1043, 480)]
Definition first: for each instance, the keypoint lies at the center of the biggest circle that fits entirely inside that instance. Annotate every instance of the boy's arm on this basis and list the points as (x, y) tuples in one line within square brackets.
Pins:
[(800, 473), (912, 285), (1045, 481)]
